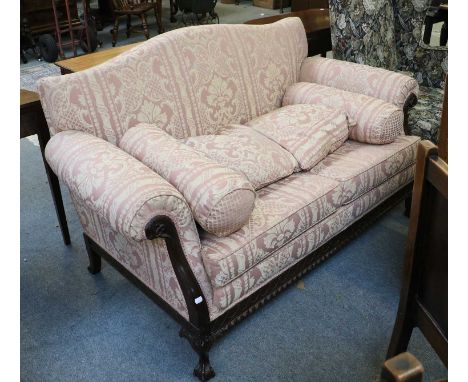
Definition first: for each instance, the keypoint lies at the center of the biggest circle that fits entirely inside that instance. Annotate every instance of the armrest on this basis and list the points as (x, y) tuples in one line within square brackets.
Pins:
[(114, 184), (392, 87)]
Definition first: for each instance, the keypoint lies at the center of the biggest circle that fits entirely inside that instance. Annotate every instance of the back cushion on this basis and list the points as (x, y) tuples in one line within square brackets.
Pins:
[(308, 132), (245, 150), (188, 82)]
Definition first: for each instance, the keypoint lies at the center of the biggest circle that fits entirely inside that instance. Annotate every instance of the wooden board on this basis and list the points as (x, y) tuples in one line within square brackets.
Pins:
[(77, 64)]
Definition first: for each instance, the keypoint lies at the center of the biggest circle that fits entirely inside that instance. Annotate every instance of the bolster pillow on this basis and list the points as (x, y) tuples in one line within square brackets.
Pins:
[(371, 119), (386, 85), (221, 199)]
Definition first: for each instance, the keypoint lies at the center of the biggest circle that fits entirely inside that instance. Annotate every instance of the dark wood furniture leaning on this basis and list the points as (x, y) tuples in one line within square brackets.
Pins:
[(32, 121), (423, 298), (139, 8), (316, 23)]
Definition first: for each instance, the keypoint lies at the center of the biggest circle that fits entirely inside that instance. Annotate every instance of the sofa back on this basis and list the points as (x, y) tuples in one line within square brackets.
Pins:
[(190, 81)]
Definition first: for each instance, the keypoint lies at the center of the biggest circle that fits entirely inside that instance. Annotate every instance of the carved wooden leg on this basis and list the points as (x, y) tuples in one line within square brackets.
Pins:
[(94, 259), (201, 344), (115, 31), (144, 24), (204, 371), (129, 25)]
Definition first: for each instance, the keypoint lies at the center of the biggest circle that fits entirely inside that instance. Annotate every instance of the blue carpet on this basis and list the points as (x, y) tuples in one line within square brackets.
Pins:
[(79, 327)]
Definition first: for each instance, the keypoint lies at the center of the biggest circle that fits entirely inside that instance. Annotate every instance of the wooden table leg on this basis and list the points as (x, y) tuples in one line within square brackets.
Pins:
[(43, 137)]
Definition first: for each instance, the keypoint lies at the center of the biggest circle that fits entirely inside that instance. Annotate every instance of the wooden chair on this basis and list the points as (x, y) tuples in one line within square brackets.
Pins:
[(423, 298), (139, 8)]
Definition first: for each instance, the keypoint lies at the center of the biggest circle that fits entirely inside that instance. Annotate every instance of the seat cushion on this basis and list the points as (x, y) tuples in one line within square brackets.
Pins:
[(221, 199), (372, 120), (286, 209), (307, 242), (243, 149), (308, 132), (282, 211), (360, 167)]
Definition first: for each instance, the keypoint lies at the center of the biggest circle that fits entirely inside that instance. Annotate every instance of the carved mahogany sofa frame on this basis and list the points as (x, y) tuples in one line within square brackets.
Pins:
[(198, 330)]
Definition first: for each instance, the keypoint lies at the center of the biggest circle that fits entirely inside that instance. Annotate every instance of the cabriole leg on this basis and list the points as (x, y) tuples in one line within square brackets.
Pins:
[(201, 344)]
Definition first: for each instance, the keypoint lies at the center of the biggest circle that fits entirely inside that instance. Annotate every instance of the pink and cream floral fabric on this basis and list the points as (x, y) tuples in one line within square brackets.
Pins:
[(283, 210), (221, 199), (287, 208), (118, 187), (308, 132), (357, 78), (360, 167), (372, 120), (308, 241), (242, 149), (188, 82), (149, 260)]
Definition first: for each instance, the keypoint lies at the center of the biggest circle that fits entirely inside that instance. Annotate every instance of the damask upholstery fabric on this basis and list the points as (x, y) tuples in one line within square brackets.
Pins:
[(373, 120), (308, 241), (148, 260), (221, 199), (122, 190), (360, 167), (188, 82), (242, 149), (291, 206), (283, 211), (380, 83), (308, 132)]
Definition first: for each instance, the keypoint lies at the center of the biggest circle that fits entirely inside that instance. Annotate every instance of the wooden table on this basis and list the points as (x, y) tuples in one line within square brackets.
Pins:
[(317, 26), (32, 121), (77, 64)]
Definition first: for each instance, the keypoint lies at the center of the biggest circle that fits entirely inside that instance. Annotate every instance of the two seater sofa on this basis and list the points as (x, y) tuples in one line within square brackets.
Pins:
[(215, 165)]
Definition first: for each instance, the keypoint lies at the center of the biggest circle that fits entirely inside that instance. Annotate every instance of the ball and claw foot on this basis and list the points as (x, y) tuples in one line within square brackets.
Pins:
[(204, 371)]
